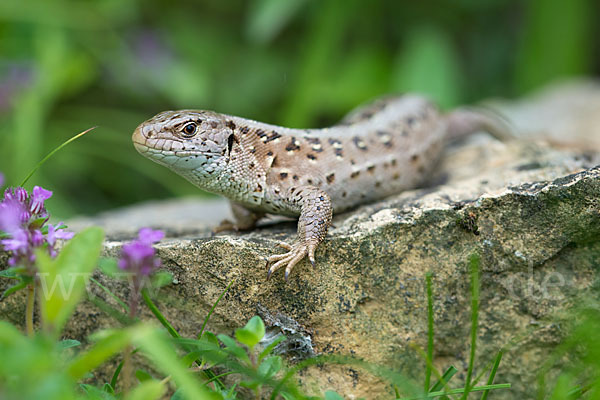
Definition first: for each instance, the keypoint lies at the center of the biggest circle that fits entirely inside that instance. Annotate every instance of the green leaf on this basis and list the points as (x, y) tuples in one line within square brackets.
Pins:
[(68, 343), (143, 376), (154, 345), (211, 338), (232, 347), (12, 272), (270, 366), (331, 395), (190, 357), (108, 388), (162, 278), (252, 333), (37, 224), (15, 288), (93, 393), (271, 346), (109, 343), (63, 280), (147, 390), (109, 266)]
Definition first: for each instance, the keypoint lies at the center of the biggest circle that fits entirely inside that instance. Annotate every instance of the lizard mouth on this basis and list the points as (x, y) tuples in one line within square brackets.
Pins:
[(152, 152)]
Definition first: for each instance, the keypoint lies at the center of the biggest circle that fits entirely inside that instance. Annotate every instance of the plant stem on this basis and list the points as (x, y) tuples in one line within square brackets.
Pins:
[(429, 331), (30, 308)]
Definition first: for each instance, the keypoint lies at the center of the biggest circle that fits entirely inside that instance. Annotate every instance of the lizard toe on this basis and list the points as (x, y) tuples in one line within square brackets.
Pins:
[(295, 254)]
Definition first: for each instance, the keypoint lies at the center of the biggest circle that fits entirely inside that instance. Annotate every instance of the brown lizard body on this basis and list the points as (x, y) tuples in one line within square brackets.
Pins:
[(384, 148)]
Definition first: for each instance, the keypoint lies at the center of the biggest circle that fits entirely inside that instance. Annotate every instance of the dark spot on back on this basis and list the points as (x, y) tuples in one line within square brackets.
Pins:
[(358, 142), (377, 184), (354, 174), (393, 162), (371, 168), (344, 194), (274, 135), (313, 140), (269, 153), (284, 175), (330, 178), (260, 133), (311, 157), (414, 158), (334, 142), (295, 177), (338, 152), (292, 146), (244, 130), (396, 176), (230, 124), (410, 121)]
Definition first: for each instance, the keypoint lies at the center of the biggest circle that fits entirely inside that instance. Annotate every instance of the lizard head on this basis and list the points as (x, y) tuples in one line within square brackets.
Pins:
[(186, 141)]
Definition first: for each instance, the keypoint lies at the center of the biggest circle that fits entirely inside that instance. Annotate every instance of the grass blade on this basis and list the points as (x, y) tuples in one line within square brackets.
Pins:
[(161, 318), (213, 309), (432, 395), (443, 381), (429, 331), (492, 374), (474, 272), (39, 164)]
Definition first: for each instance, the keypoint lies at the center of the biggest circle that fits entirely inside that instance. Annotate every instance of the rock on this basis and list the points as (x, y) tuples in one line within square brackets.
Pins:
[(530, 210)]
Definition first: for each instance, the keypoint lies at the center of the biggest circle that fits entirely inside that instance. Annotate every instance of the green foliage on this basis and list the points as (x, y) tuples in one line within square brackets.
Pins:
[(63, 280), (68, 65), (252, 333)]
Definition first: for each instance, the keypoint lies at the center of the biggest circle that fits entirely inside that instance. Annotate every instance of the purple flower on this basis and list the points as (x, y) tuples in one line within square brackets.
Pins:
[(138, 256), (18, 242), (148, 236), (18, 193), (22, 219), (11, 213), (57, 233), (37, 199)]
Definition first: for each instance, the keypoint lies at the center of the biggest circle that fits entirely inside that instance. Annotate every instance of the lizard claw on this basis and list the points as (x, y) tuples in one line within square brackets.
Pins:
[(295, 253)]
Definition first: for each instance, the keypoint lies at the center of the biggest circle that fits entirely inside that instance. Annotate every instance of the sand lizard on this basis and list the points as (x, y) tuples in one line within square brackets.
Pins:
[(380, 149)]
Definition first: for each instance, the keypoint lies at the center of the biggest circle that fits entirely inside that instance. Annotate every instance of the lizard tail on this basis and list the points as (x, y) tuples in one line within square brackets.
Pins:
[(467, 120)]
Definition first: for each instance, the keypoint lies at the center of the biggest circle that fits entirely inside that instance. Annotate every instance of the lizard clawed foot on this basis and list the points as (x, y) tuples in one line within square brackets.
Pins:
[(295, 254), (224, 226)]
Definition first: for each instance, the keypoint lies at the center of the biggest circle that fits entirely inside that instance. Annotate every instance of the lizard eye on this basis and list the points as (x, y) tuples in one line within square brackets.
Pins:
[(189, 130)]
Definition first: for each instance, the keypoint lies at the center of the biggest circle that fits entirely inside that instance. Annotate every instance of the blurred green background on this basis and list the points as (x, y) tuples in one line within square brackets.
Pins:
[(67, 65)]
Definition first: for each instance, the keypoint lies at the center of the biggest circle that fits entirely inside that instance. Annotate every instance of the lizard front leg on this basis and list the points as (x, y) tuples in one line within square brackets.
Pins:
[(245, 219), (315, 218)]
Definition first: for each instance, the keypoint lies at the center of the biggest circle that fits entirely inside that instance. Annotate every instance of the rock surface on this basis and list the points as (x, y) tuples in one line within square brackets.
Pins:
[(529, 208)]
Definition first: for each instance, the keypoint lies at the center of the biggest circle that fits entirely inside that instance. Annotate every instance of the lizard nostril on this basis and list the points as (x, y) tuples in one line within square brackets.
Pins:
[(147, 131)]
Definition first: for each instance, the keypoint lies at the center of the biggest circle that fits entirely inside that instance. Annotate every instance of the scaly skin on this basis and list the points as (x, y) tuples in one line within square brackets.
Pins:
[(384, 148)]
